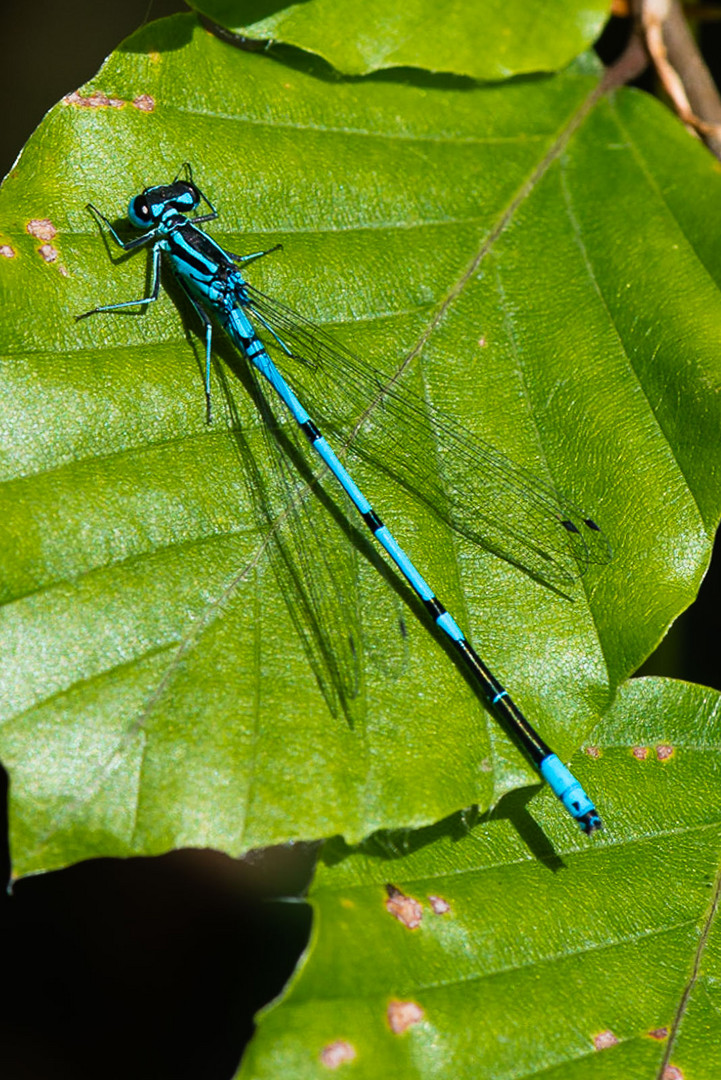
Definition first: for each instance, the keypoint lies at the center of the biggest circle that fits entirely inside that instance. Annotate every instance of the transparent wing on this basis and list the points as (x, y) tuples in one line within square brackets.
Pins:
[(470, 485), (315, 572)]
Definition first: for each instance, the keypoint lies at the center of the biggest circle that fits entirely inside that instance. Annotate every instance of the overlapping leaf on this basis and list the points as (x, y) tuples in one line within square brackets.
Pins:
[(486, 40), (511, 951)]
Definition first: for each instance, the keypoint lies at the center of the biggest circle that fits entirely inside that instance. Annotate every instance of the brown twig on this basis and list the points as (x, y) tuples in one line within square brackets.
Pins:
[(681, 69), (632, 63)]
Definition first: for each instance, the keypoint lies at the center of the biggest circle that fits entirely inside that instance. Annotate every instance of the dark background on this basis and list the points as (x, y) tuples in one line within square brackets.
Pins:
[(153, 968)]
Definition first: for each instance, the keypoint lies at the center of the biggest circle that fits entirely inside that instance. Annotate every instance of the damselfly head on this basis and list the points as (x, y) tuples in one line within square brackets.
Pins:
[(148, 208)]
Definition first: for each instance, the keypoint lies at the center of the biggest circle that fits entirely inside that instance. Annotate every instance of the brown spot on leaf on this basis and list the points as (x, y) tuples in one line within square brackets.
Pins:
[(41, 228), (96, 100), (337, 1053), (6, 251), (593, 751), (144, 102), (404, 908), (402, 1015), (672, 1072), (658, 1033), (664, 752), (439, 905), (48, 252), (604, 1039), (640, 752)]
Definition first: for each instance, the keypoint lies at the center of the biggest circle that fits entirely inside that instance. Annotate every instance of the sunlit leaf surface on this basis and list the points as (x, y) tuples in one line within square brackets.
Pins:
[(526, 253)]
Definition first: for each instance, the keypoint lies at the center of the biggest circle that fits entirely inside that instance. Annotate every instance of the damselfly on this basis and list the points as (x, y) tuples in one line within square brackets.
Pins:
[(519, 517)]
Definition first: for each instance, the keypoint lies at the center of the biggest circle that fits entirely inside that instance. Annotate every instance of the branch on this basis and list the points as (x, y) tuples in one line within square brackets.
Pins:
[(681, 69)]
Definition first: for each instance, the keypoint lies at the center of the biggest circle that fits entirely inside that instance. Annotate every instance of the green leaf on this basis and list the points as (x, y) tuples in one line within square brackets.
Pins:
[(491, 39), (514, 951), (530, 255)]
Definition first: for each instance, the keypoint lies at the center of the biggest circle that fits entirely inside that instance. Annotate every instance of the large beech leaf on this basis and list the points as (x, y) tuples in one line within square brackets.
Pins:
[(512, 952), (527, 251), (489, 39)]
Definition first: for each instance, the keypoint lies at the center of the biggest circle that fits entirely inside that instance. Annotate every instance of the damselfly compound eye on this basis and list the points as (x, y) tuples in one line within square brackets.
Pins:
[(139, 211)]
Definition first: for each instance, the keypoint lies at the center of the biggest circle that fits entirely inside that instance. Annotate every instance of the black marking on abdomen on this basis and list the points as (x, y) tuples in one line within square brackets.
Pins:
[(434, 608), (310, 431), (372, 520)]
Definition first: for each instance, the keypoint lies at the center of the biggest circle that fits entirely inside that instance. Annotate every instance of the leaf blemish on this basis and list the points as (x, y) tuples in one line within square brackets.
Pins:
[(6, 251), (439, 905), (658, 1033), (604, 1039), (672, 1072), (41, 229), (144, 102), (337, 1053), (402, 1015), (404, 908), (640, 752), (96, 100), (593, 751), (664, 752)]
